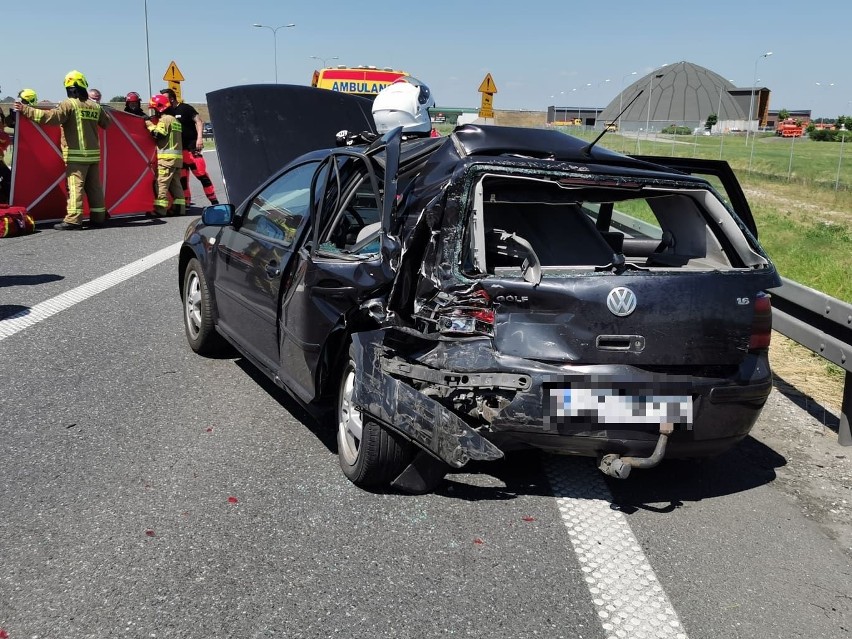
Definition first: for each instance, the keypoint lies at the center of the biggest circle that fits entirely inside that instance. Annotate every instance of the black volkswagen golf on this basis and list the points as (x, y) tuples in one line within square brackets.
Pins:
[(499, 288)]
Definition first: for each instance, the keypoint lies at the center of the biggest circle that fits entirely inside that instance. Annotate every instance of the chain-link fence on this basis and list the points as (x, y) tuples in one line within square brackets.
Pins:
[(797, 160)]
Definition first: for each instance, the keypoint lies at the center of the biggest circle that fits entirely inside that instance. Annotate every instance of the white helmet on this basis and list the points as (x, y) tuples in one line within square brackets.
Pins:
[(404, 103)]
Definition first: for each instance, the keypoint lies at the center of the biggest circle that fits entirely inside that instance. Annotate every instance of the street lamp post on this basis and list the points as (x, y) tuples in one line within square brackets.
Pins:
[(839, 163), (650, 91), (274, 41), (564, 107), (719, 121), (148, 49), (751, 102), (824, 85), (621, 94), (602, 82), (585, 86), (324, 60), (574, 97)]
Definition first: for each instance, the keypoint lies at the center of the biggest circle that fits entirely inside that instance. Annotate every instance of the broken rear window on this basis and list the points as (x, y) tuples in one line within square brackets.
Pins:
[(520, 224)]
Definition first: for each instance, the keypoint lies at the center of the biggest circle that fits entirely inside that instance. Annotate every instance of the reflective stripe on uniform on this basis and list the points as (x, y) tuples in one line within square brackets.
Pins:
[(81, 156), (75, 189), (169, 154)]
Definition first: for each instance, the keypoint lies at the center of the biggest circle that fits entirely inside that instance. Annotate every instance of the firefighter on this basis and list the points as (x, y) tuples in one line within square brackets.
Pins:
[(133, 104), (406, 103), (5, 171), (79, 119), (166, 130), (27, 96), (193, 143)]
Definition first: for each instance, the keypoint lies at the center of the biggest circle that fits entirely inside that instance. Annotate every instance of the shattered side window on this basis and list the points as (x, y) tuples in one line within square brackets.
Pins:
[(660, 228), (521, 226), (638, 209), (278, 210), (717, 184), (356, 226)]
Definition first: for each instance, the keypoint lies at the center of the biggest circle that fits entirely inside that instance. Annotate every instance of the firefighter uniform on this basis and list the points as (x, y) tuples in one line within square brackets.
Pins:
[(193, 161), (79, 121), (167, 133)]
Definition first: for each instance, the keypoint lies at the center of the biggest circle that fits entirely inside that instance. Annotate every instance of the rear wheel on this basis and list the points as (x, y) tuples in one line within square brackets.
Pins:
[(370, 455), (198, 312)]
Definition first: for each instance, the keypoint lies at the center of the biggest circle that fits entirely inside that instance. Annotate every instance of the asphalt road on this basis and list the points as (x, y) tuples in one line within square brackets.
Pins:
[(148, 492)]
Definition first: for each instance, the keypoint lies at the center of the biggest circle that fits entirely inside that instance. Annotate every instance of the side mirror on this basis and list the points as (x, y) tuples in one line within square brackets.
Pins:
[(218, 215)]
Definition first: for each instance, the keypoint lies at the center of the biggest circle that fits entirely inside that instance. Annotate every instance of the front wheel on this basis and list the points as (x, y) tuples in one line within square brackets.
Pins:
[(370, 455), (198, 311)]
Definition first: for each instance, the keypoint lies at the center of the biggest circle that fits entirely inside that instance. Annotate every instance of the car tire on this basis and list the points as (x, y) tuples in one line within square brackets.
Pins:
[(370, 455), (198, 312)]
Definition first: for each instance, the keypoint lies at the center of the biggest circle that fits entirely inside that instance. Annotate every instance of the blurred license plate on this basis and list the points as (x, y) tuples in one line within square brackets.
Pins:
[(609, 406)]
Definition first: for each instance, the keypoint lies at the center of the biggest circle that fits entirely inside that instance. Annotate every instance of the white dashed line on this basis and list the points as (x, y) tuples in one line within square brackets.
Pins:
[(629, 600), (28, 317)]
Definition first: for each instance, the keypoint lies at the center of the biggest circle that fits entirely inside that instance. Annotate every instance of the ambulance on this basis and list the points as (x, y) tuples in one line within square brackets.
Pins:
[(363, 80)]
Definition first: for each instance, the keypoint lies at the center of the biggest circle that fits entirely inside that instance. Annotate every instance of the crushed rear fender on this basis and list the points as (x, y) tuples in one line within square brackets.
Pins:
[(405, 409)]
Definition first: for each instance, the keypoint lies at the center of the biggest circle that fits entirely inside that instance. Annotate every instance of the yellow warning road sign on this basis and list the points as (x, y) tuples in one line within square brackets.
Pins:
[(175, 86), (487, 89), (173, 74), (487, 85)]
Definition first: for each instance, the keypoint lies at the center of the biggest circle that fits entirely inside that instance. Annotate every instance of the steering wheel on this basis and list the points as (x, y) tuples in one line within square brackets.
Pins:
[(357, 216)]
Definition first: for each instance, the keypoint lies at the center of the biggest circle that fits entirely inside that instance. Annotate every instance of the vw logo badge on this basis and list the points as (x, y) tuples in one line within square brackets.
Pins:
[(621, 301)]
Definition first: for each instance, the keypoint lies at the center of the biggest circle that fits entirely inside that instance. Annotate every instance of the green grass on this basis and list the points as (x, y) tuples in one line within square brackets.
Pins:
[(816, 254), (813, 163)]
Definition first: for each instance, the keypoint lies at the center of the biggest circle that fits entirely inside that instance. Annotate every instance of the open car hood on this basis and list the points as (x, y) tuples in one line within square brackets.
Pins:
[(261, 127)]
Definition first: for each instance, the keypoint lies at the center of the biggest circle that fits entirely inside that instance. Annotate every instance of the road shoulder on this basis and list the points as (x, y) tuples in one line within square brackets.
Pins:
[(817, 474)]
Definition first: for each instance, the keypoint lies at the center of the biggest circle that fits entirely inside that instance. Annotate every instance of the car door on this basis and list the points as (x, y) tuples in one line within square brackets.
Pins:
[(342, 265), (252, 257)]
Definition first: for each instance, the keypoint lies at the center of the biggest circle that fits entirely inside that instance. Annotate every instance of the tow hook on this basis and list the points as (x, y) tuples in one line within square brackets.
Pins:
[(619, 467)]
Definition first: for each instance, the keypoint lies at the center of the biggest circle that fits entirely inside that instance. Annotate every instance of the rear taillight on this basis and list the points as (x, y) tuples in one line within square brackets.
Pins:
[(761, 326), (467, 321), (475, 317)]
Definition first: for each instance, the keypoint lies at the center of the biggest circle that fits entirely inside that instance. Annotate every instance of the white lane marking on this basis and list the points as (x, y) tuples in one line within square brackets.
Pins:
[(28, 317), (629, 600)]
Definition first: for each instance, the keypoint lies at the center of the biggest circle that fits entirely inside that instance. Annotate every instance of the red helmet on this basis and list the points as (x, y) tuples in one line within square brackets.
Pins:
[(132, 97), (159, 103)]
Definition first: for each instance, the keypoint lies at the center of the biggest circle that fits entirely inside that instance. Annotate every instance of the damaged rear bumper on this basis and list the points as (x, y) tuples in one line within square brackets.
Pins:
[(410, 412), (723, 409)]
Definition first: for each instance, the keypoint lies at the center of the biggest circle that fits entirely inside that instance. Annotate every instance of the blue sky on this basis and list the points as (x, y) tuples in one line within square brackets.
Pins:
[(532, 54)]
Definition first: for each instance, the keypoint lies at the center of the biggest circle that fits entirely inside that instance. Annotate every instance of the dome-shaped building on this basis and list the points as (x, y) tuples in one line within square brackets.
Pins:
[(683, 94)]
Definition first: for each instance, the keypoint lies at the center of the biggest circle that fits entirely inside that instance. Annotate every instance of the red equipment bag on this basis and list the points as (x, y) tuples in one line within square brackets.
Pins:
[(14, 220)]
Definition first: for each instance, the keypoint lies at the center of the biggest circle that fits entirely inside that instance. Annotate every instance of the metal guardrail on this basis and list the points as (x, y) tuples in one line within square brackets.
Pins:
[(819, 322), (822, 324)]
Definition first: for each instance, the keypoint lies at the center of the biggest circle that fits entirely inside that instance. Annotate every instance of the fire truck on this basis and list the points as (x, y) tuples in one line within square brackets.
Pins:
[(789, 128)]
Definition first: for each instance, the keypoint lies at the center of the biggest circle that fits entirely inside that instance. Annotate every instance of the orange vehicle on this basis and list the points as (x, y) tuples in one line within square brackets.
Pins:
[(789, 128), (363, 81)]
